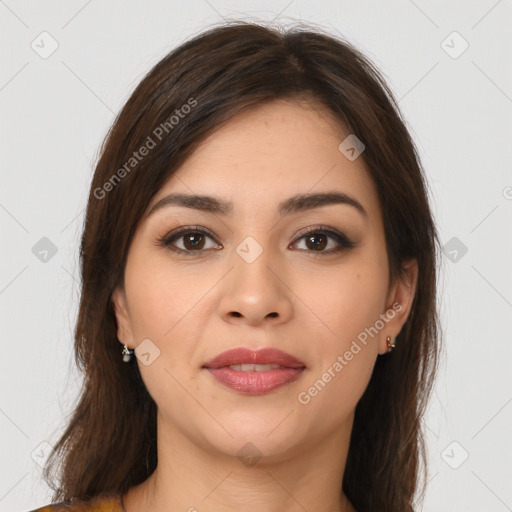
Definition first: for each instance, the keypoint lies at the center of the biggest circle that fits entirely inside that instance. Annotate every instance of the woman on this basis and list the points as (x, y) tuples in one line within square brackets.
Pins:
[(257, 325)]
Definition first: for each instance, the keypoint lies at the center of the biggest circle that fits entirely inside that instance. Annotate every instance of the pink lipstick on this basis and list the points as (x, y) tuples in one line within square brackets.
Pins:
[(255, 372)]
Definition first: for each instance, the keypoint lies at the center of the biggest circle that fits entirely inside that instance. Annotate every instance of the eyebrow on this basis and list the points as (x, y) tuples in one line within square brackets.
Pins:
[(294, 204)]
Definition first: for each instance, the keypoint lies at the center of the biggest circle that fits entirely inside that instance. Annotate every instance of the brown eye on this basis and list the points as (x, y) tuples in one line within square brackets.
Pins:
[(193, 241), (317, 239), (188, 241)]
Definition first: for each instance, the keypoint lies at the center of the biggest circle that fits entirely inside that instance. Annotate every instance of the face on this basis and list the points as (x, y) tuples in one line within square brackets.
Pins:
[(310, 280)]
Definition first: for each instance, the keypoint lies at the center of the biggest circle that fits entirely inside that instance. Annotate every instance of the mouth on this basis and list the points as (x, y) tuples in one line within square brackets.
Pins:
[(244, 359), (255, 372), (254, 367)]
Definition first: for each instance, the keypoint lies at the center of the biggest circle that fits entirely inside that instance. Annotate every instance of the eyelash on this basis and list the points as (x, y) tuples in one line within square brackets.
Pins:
[(343, 241)]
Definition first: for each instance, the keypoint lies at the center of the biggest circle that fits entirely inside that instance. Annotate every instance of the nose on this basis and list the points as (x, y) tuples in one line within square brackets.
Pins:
[(256, 292)]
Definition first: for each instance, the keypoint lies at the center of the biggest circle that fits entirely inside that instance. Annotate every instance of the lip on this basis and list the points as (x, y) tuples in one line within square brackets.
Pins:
[(255, 382), (244, 355)]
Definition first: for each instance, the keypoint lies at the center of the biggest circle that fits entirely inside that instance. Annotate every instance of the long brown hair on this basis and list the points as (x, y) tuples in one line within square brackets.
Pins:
[(109, 444)]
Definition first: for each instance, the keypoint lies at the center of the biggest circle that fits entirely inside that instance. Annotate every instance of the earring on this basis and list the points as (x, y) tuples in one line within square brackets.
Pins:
[(127, 354), (390, 343)]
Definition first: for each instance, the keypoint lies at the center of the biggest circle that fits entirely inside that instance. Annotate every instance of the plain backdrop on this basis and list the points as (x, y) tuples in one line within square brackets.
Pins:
[(66, 70)]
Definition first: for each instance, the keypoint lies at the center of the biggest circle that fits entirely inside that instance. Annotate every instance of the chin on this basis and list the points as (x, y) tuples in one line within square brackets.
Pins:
[(252, 437)]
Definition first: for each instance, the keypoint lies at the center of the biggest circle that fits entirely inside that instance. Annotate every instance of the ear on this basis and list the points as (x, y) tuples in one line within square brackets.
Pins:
[(399, 302), (123, 320)]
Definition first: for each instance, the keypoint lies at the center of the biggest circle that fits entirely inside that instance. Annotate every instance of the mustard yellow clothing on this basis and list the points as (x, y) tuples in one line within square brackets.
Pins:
[(102, 503)]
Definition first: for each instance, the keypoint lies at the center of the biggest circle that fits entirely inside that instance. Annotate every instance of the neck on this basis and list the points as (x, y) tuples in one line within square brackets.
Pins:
[(192, 477)]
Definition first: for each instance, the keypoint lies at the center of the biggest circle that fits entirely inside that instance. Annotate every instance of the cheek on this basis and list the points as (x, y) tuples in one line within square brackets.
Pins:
[(345, 354), (161, 295), (162, 300), (344, 300), (347, 303)]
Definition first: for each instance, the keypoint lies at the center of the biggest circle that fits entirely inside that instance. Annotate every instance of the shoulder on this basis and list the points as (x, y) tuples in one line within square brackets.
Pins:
[(102, 503)]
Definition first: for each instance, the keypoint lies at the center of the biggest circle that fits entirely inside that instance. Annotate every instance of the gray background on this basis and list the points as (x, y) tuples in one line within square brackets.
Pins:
[(56, 110)]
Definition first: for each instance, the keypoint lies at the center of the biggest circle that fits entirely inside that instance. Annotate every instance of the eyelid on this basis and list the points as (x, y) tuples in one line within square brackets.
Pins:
[(341, 238), (183, 230), (320, 229), (343, 241)]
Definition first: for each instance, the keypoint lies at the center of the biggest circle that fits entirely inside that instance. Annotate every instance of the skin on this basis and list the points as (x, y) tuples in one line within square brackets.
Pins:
[(195, 306)]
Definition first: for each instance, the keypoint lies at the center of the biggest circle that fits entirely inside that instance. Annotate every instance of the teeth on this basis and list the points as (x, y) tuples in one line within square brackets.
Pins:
[(254, 367)]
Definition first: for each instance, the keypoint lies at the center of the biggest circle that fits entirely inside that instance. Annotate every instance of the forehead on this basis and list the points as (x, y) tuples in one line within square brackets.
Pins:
[(271, 152)]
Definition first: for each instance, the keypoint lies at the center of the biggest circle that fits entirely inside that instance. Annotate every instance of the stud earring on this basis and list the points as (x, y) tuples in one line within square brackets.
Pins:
[(390, 343), (127, 354)]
